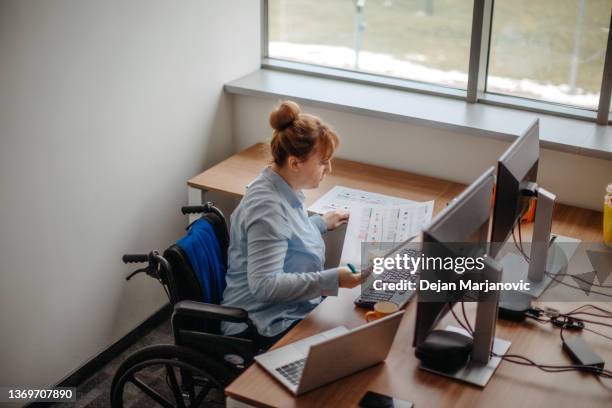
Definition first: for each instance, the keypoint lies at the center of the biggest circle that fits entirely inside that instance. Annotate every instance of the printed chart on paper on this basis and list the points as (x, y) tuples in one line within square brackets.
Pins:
[(382, 224), (344, 198), (374, 218)]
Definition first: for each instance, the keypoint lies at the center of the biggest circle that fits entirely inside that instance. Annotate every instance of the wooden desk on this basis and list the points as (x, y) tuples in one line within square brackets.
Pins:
[(512, 385)]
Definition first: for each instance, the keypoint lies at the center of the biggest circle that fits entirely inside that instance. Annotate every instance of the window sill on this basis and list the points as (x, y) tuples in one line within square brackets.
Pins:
[(556, 133)]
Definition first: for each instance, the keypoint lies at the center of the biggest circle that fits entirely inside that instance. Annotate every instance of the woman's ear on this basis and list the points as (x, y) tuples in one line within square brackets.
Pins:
[(293, 163)]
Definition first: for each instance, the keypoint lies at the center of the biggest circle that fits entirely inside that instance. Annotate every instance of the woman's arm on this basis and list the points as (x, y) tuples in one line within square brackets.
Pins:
[(267, 243), (317, 219)]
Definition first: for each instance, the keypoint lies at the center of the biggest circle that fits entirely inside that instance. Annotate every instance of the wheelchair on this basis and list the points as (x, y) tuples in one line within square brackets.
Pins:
[(201, 359)]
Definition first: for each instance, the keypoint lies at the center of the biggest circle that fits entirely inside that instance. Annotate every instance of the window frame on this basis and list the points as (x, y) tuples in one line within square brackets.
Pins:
[(482, 19)]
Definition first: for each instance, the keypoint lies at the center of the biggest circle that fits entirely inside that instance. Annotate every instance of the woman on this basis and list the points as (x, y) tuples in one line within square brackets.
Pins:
[(276, 251)]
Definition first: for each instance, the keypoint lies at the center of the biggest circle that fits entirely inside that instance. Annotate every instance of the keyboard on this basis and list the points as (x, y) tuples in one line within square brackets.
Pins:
[(370, 296), (292, 371)]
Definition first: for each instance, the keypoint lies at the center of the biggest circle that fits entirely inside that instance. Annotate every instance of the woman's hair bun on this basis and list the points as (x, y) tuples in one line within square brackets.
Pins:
[(284, 115)]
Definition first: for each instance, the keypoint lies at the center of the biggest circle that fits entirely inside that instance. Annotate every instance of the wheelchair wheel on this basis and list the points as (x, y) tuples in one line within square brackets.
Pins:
[(170, 376)]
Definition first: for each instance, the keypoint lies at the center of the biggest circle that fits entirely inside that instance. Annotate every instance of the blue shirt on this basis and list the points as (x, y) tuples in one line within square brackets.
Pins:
[(276, 256)]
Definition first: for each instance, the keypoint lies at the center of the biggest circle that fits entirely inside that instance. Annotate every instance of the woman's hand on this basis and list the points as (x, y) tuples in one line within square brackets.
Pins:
[(348, 279), (334, 219)]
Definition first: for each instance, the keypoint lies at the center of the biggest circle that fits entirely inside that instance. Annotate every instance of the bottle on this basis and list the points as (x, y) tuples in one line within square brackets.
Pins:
[(607, 217)]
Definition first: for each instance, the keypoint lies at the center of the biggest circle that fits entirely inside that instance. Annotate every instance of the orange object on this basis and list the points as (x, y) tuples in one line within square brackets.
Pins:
[(529, 215), (381, 309)]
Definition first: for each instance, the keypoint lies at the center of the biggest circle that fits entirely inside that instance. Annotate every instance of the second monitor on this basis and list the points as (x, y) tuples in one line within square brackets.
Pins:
[(460, 231)]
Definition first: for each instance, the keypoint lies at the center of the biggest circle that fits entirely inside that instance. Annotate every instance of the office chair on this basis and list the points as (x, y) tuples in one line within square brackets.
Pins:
[(202, 358)]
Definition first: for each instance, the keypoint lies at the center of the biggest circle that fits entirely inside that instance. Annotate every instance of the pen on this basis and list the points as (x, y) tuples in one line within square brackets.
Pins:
[(352, 267)]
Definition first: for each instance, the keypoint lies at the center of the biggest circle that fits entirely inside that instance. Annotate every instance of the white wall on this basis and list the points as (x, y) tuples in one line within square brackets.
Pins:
[(577, 180), (106, 109)]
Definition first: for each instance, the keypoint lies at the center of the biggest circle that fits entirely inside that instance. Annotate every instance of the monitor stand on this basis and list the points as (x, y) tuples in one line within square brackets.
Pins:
[(481, 366), (475, 372), (547, 258)]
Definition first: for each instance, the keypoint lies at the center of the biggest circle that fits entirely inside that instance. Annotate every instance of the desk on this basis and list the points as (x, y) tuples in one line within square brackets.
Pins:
[(512, 385)]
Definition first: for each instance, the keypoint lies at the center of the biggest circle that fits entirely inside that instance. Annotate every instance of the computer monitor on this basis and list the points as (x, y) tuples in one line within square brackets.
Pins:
[(516, 185), (461, 230), (517, 172), (464, 220)]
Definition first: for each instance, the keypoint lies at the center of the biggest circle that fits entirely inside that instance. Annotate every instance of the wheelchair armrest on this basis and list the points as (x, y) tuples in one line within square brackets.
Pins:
[(210, 311)]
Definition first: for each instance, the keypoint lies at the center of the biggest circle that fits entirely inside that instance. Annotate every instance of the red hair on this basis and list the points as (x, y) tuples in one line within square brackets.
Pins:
[(298, 134)]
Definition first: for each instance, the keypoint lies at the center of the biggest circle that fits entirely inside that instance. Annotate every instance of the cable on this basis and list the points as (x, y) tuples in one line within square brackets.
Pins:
[(167, 293), (521, 241), (522, 360), (594, 322), (591, 314), (536, 318), (598, 333), (553, 277), (571, 322), (601, 309), (459, 321), (163, 285), (552, 368), (561, 333), (466, 319), (603, 384), (575, 322), (584, 280), (564, 321), (519, 248)]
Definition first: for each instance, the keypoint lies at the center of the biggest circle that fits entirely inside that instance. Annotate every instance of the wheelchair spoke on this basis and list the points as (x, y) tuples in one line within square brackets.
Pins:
[(198, 400), (178, 396), (150, 392), (170, 376), (187, 384)]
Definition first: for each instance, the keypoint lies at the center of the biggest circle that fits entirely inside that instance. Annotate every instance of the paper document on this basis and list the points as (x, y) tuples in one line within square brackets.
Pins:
[(344, 198), (382, 224), (374, 218)]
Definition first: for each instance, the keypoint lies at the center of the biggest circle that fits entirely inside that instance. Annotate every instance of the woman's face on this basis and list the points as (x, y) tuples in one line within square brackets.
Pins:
[(313, 170)]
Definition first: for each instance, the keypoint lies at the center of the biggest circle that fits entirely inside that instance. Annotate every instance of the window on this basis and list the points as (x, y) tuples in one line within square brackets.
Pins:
[(550, 51), (421, 40)]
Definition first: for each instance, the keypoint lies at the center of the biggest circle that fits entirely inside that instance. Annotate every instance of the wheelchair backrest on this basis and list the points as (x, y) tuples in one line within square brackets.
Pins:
[(186, 283)]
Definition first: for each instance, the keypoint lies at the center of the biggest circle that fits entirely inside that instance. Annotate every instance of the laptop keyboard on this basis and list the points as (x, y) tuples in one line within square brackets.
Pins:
[(292, 371)]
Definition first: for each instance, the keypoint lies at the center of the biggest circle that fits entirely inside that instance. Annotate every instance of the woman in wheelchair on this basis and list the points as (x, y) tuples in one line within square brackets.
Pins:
[(274, 277), (276, 253)]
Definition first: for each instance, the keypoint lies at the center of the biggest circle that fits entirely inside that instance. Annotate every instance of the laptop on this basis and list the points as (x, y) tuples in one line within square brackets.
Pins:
[(325, 357)]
